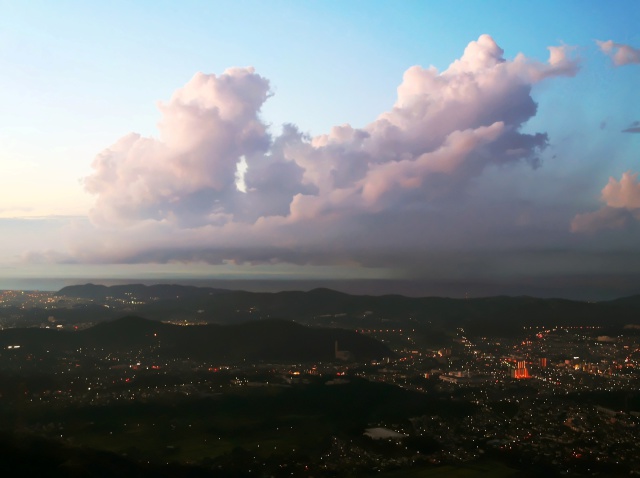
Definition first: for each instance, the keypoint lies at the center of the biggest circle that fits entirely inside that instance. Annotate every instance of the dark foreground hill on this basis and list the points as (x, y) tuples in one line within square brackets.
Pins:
[(266, 340), (28, 455)]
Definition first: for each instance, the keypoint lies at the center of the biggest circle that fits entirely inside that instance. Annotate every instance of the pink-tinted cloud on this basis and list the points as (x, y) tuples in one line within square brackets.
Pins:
[(604, 218), (206, 127), (620, 53), (176, 198), (622, 206), (624, 193)]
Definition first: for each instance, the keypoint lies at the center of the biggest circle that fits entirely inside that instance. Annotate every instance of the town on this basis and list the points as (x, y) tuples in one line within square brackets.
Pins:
[(559, 398)]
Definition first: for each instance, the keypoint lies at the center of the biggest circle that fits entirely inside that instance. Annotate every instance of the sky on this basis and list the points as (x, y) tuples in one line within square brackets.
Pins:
[(450, 148)]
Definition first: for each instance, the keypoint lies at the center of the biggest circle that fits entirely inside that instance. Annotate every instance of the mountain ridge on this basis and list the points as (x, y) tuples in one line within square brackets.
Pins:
[(322, 306)]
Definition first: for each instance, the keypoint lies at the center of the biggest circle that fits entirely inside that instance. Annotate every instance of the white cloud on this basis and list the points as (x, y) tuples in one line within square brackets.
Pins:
[(189, 173)]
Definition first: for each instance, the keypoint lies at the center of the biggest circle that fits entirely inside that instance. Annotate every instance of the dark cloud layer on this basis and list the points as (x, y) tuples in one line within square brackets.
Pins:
[(633, 128)]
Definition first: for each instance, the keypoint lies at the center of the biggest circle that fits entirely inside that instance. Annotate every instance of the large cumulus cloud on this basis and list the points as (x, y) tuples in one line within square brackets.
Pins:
[(311, 199)]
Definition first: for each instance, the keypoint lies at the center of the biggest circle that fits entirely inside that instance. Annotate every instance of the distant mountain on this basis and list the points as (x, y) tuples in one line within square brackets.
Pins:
[(631, 301), (266, 340), (492, 315), (140, 291)]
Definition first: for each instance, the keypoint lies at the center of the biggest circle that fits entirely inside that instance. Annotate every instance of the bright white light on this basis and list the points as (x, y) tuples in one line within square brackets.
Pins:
[(241, 170)]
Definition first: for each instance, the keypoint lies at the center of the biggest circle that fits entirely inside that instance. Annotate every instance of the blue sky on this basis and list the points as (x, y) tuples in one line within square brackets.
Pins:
[(76, 77)]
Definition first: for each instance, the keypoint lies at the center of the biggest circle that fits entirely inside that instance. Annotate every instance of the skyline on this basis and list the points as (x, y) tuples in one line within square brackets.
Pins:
[(456, 149)]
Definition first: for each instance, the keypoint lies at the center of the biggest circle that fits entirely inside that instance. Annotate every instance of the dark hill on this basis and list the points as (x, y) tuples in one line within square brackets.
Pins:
[(86, 291), (631, 301), (127, 332), (28, 455), (139, 291), (267, 340)]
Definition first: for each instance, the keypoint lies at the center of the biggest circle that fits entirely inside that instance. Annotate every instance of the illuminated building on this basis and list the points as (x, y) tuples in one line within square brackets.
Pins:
[(521, 371)]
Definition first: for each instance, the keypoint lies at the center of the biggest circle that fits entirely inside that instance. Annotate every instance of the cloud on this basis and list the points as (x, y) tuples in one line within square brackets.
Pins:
[(620, 53), (624, 193), (47, 257), (311, 199), (604, 218), (633, 128), (622, 206), (189, 173)]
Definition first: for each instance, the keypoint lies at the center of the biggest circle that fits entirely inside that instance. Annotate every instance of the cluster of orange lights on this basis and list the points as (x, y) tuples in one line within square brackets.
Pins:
[(521, 373)]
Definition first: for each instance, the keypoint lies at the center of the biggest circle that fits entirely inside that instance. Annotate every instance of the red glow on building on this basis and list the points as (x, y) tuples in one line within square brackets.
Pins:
[(521, 373)]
